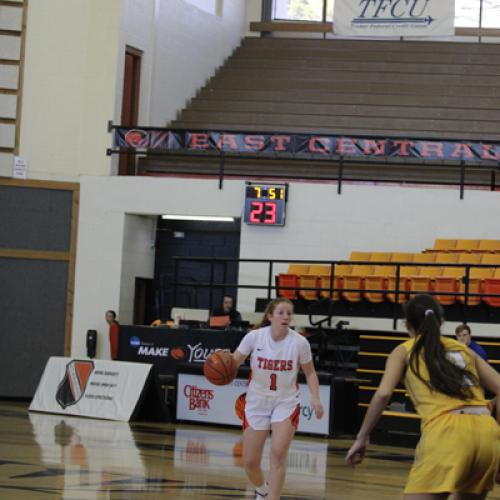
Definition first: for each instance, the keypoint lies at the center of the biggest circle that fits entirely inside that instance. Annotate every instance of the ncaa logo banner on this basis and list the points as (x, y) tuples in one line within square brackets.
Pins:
[(394, 18)]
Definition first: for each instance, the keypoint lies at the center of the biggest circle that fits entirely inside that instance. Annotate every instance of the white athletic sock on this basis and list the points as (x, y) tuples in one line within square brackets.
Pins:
[(262, 490)]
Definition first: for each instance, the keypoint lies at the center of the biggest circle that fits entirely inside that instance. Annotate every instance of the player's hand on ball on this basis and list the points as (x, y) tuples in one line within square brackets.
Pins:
[(318, 408), (356, 454)]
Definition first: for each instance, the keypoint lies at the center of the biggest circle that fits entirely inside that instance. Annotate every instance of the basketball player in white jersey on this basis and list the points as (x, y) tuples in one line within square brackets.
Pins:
[(272, 401)]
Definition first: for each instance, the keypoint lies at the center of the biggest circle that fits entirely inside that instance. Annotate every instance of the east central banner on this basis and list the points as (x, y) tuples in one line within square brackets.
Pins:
[(394, 18), (146, 139)]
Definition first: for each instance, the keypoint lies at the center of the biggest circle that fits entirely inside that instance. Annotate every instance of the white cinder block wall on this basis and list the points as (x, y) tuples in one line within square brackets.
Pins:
[(73, 83), (320, 225)]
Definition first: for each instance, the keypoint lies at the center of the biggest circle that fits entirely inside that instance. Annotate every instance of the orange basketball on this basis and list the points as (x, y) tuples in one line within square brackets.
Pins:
[(219, 368), (239, 405), (177, 353)]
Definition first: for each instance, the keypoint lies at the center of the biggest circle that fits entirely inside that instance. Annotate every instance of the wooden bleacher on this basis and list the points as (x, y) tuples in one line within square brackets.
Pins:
[(433, 90)]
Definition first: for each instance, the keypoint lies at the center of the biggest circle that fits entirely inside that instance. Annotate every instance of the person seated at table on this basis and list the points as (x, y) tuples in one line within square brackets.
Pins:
[(227, 311), (463, 335)]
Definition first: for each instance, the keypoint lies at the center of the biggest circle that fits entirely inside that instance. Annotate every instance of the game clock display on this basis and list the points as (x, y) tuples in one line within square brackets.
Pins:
[(265, 204)]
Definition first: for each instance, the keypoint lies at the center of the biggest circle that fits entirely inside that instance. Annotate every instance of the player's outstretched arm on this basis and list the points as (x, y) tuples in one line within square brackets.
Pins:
[(238, 358), (393, 373), (313, 384)]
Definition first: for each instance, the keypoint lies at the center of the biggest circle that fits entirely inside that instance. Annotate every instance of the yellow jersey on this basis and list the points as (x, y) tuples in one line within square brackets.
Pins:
[(430, 403)]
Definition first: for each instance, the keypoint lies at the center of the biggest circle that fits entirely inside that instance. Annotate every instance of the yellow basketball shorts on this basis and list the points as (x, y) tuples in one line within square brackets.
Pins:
[(457, 453)]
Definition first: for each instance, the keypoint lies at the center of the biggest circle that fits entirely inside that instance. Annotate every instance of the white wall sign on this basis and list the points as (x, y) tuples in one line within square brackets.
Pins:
[(394, 17), (90, 388), (20, 168), (199, 400)]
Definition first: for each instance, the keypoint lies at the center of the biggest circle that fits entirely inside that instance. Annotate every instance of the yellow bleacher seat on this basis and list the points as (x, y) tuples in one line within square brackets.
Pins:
[(444, 245), (401, 257), (466, 246), (489, 246), (476, 284), (360, 256), (446, 258), (340, 270), (380, 257), (355, 280), (405, 273), (423, 258), (378, 281)]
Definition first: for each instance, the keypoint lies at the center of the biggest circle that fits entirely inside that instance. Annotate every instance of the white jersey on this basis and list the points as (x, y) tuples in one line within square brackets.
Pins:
[(275, 364)]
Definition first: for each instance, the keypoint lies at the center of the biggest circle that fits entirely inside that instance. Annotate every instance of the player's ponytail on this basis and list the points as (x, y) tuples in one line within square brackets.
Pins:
[(425, 316), (270, 309)]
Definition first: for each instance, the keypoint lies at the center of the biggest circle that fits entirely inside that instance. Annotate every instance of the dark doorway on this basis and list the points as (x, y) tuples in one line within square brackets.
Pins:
[(144, 311), (194, 239), (130, 102)]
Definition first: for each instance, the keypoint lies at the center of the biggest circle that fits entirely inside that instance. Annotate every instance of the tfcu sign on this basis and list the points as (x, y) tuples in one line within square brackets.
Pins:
[(394, 17)]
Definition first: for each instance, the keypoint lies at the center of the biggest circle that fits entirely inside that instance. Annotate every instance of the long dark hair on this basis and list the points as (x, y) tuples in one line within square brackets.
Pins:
[(425, 315), (270, 309)]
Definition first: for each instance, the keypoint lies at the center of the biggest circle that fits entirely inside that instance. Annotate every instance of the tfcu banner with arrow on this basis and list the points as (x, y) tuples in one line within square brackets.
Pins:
[(394, 17)]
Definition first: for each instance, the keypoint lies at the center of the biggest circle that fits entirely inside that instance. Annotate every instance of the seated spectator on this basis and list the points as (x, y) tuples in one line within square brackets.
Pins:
[(114, 330), (227, 309), (463, 334)]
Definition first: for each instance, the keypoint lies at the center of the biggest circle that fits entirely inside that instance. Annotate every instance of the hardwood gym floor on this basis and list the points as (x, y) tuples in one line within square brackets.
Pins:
[(51, 457)]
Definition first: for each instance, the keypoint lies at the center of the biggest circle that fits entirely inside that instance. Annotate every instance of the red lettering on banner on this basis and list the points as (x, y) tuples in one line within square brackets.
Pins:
[(489, 152), (432, 149), (280, 141), (199, 141), (255, 142), (403, 146), (345, 145), (372, 147), (461, 150), (317, 145), (227, 140)]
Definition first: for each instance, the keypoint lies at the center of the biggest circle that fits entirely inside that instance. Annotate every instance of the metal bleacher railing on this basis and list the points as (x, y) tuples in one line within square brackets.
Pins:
[(273, 286)]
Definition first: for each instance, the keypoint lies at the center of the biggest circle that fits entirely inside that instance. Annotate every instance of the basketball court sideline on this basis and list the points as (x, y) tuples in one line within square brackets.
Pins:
[(51, 456)]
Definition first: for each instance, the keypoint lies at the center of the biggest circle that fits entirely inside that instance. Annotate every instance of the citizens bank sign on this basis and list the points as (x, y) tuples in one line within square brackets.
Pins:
[(394, 17)]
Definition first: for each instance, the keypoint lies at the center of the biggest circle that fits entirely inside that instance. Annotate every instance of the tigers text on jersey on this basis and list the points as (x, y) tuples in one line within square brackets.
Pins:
[(275, 364)]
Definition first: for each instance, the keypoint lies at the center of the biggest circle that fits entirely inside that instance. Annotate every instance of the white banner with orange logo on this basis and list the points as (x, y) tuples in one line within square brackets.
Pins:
[(90, 388), (200, 401)]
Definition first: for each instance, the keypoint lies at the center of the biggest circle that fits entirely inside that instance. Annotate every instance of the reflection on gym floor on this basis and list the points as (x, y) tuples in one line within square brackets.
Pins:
[(47, 457)]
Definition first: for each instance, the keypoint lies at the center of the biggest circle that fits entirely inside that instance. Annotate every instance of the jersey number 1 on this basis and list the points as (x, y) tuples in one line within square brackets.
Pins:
[(273, 387)]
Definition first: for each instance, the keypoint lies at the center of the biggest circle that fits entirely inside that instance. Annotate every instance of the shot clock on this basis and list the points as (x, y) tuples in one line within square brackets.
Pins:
[(265, 204)]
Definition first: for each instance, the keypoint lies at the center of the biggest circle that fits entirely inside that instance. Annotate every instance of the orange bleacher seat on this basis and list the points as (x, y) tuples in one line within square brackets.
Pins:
[(423, 281), (355, 280), (448, 281), (401, 257), (405, 273), (466, 246), (288, 285), (489, 246), (360, 256), (492, 285), (311, 280), (290, 279), (378, 281), (476, 283), (424, 258), (340, 270), (444, 245)]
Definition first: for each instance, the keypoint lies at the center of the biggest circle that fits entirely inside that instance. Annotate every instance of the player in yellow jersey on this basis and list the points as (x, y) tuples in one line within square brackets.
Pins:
[(459, 450)]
